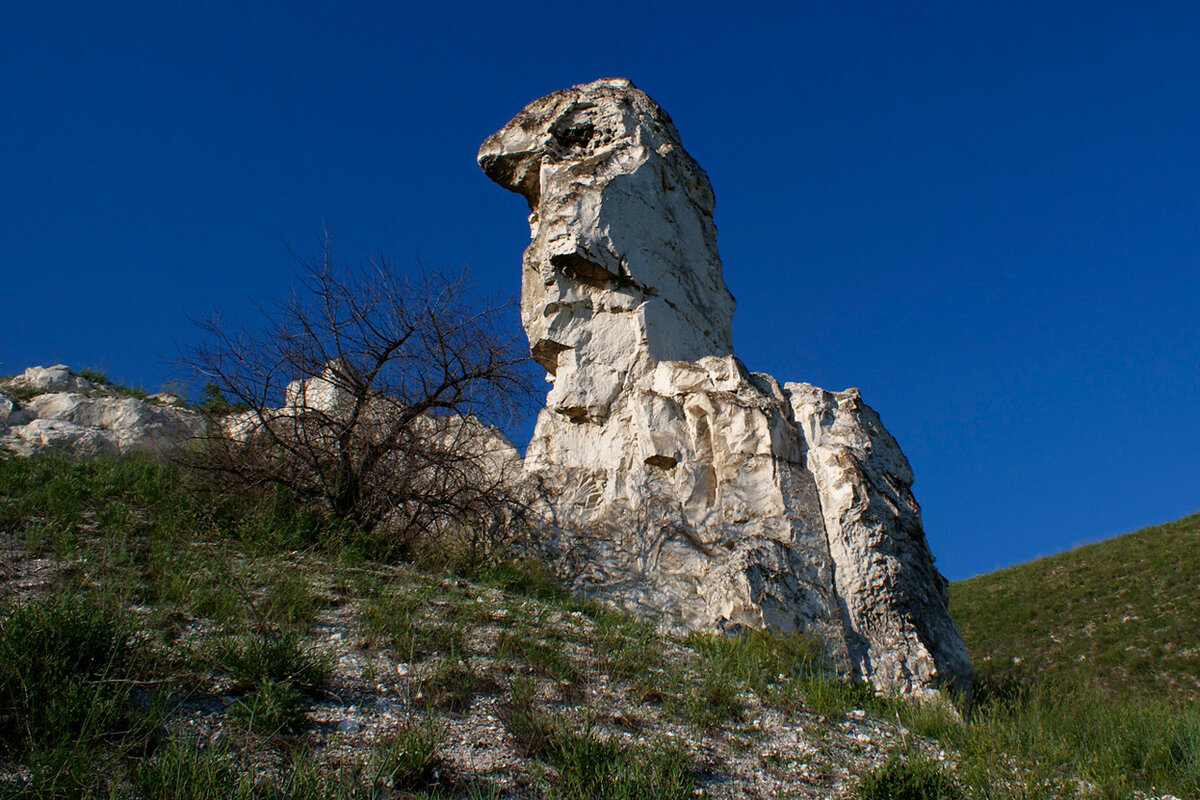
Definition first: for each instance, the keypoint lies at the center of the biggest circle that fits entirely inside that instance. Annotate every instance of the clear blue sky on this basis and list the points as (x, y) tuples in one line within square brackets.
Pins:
[(984, 215)]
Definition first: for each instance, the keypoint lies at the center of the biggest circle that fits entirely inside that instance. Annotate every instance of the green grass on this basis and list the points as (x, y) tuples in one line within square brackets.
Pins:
[(587, 765), (62, 661), (289, 599), (908, 778), (260, 657), (452, 684), (220, 592), (400, 766), (271, 708), (1086, 665), (409, 757), (182, 771), (21, 393), (274, 674), (405, 619), (521, 577), (68, 706), (544, 650), (1119, 615)]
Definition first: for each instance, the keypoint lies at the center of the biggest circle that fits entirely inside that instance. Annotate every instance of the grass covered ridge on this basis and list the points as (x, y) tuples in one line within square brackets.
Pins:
[(1119, 615), (1088, 662)]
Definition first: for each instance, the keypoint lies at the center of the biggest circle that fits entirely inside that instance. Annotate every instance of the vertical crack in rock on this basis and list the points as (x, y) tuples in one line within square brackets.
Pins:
[(678, 484)]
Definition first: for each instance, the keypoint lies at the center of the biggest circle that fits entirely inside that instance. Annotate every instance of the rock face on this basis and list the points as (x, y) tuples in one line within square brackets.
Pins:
[(75, 417), (57, 378), (678, 483), (623, 270)]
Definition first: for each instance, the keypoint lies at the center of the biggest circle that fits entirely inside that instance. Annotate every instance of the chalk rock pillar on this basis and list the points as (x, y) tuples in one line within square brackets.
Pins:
[(679, 484)]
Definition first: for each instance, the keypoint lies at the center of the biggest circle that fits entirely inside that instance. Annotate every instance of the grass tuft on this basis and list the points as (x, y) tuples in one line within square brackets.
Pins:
[(409, 758), (452, 685), (185, 771), (65, 664), (908, 778), (68, 706), (257, 658), (589, 766)]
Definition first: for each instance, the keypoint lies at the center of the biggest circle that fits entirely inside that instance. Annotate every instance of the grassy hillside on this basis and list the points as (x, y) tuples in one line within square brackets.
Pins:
[(160, 638), (1121, 616)]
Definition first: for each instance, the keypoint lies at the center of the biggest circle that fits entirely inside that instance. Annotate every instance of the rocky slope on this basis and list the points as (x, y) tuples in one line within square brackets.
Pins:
[(63, 412), (396, 649)]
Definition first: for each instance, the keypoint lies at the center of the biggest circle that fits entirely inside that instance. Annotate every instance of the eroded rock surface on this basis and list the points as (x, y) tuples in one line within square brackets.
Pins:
[(622, 271), (73, 416), (678, 483)]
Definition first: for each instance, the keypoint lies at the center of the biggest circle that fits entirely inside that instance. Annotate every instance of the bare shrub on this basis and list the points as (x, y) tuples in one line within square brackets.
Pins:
[(367, 395)]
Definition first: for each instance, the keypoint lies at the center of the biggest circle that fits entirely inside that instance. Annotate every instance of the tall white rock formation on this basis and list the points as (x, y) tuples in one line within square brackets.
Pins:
[(678, 483)]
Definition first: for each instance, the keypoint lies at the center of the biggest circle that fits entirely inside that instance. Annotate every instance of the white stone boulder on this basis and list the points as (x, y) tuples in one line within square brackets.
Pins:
[(82, 424), (57, 378), (66, 438), (329, 392), (166, 399)]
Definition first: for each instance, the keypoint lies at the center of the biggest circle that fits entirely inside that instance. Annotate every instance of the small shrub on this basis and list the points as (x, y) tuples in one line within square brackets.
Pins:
[(409, 757), (908, 778), (260, 658), (213, 401), (22, 393), (271, 707), (97, 377), (452, 685)]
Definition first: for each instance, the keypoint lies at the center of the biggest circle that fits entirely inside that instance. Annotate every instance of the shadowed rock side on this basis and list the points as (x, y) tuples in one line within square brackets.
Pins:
[(678, 483)]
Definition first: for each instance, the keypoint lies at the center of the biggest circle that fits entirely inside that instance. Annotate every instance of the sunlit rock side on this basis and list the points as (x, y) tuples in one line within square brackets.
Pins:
[(622, 271), (73, 416), (678, 483)]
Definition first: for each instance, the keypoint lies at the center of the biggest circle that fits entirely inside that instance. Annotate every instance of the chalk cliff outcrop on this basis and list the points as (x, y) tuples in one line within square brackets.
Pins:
[(680, 484), (72, 415)]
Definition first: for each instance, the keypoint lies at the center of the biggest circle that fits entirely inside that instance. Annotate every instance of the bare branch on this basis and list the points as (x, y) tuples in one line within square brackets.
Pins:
[(368, 394)]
